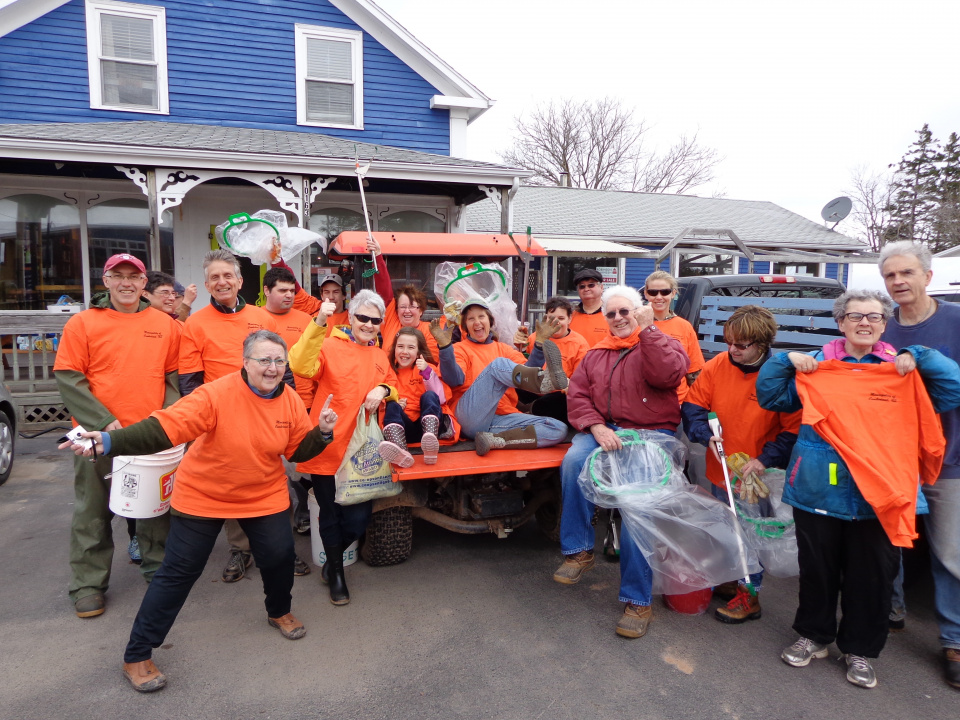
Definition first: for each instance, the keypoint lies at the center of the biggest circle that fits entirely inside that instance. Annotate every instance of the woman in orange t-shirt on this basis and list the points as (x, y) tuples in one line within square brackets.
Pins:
[(418, 416), (242, 423), (659, 290)]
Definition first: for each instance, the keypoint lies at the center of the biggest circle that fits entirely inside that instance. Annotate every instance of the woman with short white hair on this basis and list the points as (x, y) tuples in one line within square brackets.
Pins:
[(346, 362)]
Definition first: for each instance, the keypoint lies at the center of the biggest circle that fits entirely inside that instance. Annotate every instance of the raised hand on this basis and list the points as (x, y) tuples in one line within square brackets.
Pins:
[(643, 316), (327, 418), (327, 309), (522, 336), (546, 328), (421, 363), (373, 246), (443, 335)]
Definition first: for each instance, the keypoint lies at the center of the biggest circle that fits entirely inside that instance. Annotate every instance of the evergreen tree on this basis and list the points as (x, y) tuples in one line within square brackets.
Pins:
[(914, 191), (946, 228)]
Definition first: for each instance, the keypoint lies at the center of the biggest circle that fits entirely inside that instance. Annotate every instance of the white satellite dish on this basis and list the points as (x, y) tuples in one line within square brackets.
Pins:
[(836, 210)]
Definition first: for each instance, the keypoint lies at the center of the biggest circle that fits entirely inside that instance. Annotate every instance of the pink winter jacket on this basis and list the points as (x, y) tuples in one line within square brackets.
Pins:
[(633, 388)]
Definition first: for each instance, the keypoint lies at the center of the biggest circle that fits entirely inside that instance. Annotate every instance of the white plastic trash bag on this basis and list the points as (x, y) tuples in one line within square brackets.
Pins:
[(690, 539), (364, 474), (769, 528), (455, 284), (264, 237)]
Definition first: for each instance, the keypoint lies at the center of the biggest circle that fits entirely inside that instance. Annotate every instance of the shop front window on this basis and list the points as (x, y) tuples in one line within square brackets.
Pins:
[(568, 267), (329, 223), (411, 221), (40, 257), (123, 226)]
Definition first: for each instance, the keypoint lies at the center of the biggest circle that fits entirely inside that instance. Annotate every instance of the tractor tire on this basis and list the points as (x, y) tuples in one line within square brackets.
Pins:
[(389, 537)]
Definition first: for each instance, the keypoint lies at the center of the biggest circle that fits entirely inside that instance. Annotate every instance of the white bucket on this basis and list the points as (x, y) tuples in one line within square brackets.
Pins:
[(316, 544), (141, 485)]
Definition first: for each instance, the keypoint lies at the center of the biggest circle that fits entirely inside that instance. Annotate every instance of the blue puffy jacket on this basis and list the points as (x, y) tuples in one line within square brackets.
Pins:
[(810, 485)]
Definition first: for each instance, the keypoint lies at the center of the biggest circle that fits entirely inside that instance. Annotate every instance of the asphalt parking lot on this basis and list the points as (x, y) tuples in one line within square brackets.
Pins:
[(469, 627)]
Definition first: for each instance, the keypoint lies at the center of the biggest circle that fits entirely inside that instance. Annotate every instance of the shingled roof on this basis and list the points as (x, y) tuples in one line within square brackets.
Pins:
[(651, 218)]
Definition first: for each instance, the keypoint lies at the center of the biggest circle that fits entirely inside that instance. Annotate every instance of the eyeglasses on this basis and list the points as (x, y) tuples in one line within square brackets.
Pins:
[(741, 346), (872, 318), (267, 362), (624, 312), (165, 293), (401, 308), (654, 293), (368, 319), (125, 278), (586, 286)]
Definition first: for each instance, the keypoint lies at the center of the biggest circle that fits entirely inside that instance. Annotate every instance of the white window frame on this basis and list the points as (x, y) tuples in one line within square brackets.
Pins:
[(355, 38), (96, 8)]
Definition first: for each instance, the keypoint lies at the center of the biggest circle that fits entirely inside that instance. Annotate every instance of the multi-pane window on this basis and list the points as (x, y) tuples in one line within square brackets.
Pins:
[(126, 55), (329, 77)]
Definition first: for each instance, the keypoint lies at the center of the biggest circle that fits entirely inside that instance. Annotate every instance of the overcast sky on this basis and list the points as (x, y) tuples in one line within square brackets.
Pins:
[(794, 95)]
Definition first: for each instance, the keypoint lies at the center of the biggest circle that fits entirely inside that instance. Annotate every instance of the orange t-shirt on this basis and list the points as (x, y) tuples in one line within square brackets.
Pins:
[(212, 341), (731, 393), (391, 326), (233, 470), (473, 358), (593, 327), (291, 325), (305, 302), (124, 356), (680, 329), (572, 347), (411, 385), (347, 371), (844, 402)]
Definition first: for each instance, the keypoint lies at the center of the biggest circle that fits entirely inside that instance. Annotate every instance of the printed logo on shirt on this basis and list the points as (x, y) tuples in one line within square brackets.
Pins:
[(254, 326), (153, 334), (283, 424), (883, 397)]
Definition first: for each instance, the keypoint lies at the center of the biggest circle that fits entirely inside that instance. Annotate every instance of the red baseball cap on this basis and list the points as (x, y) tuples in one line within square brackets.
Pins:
[(122, 258)]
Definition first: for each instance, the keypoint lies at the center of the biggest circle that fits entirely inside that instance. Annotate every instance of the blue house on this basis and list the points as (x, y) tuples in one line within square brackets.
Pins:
[(138, 126)]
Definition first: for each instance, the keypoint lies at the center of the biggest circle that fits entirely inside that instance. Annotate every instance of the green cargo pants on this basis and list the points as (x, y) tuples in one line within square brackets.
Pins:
[(91, 534)]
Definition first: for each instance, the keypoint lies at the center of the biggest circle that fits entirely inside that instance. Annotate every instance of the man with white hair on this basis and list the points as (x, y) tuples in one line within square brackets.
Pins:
[(923, 320)]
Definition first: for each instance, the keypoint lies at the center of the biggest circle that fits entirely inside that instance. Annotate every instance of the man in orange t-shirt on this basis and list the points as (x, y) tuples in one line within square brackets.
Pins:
[(116, 363), (280, 289), (587, 318)]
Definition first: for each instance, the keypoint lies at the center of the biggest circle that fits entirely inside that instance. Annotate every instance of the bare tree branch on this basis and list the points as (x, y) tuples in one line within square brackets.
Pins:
[(872, 199), (599, 144)]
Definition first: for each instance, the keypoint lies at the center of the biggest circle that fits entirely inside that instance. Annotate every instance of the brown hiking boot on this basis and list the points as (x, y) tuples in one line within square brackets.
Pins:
[(517, 438), (289, 626), (90, 606), (744, 606), (574, 566), (635, 620), (726, 591)]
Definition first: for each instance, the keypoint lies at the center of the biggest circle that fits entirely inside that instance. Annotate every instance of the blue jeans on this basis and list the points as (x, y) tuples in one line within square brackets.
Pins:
[(720, 493), (477, 408), (577, 533), (943, 534), (429, 405), (189, 544)]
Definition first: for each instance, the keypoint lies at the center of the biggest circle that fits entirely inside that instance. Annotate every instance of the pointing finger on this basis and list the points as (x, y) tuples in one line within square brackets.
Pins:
[(326, 405)]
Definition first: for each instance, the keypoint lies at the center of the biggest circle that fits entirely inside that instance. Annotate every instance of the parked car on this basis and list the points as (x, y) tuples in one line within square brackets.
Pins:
[(801, 305), (8, 432), (948, 293)]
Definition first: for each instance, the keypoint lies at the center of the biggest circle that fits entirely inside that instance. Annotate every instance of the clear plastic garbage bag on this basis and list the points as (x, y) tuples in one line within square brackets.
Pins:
[(264, 237), (455, 284), (690, 539), (769, 528)]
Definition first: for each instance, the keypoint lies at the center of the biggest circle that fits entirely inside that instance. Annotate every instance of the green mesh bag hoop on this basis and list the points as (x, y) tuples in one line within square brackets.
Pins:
[(471, 270), (241, 219), (628, 438)]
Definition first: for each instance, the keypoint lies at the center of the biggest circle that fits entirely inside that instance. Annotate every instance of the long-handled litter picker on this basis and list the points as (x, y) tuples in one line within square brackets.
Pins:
[(361, 171), (715, 428)]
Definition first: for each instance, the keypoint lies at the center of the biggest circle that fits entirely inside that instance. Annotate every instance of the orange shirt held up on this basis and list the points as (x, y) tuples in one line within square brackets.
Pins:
[(233, 470), (680, 329), (593, 327), (124, 357)]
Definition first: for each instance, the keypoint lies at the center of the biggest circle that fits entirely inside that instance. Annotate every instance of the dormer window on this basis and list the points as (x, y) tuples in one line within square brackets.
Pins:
[(127, 57), (329, 77)]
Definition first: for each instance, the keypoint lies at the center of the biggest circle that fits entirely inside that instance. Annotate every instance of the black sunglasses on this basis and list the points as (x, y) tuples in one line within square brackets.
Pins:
[(368, 319), (654, 293), (624, 312)]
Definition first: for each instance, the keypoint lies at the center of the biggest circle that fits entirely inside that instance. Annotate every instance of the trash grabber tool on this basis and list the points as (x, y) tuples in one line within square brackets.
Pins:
[(361, 171), (715, 428), (525, 256)]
